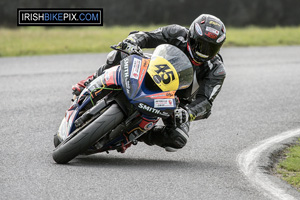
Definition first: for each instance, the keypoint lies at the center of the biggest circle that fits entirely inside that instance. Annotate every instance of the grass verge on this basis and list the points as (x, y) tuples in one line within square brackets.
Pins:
[(40, 40), (256, 36), (289, 167)]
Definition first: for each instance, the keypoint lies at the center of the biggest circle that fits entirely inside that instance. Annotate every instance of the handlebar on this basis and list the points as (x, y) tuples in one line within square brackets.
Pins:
[(118, 48)]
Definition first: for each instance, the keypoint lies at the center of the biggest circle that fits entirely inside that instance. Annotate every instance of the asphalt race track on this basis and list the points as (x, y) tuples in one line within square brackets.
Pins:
[(260, 99)]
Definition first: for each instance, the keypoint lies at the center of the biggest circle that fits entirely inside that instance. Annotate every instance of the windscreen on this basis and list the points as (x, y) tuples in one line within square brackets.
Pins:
[(178, 60)]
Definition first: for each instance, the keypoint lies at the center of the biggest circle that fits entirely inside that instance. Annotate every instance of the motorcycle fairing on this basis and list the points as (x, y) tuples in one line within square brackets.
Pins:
[(163, 73), (66, 125), (109, 78), (133, 71)]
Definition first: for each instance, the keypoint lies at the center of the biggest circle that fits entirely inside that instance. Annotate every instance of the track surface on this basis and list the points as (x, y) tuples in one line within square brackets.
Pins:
[(260, 99)]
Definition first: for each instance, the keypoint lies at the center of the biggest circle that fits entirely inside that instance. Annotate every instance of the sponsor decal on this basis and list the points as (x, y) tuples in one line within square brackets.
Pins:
[(221, 39), (148, 108), (142, 75), (125, 67), (136, 67), (148, 126), (144, 66), (214, 23), (158, 103), (163, 95), (170, 94), (126, 75), (211, 35), (60, 17), (128, 86), (198, 29), (212, 30)]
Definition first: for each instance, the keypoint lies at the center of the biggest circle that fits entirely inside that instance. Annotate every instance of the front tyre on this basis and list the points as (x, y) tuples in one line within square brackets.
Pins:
[(56, 141), (106, 122)]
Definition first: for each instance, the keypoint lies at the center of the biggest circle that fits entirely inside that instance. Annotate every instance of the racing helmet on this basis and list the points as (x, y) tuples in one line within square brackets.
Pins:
[(206, 36)]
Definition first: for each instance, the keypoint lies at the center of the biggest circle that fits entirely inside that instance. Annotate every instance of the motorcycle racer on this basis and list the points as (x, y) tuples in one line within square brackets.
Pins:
[(201, 43)]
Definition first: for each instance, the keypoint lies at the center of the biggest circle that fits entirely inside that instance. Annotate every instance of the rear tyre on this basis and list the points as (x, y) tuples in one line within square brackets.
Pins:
[(79, 143)]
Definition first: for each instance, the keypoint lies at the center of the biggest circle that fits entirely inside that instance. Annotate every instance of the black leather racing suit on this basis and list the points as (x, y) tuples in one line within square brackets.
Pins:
[(209, 76)]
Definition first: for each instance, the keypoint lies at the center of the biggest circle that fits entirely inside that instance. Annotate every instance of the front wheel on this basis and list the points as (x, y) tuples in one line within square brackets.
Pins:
[(72, 147)]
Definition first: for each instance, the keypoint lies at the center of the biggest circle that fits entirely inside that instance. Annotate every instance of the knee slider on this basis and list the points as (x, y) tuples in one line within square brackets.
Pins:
[(178, 141), (179, 138)]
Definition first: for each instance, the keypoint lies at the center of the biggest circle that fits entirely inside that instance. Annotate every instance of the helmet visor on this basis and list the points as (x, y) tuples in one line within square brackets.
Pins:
[(203, 50)]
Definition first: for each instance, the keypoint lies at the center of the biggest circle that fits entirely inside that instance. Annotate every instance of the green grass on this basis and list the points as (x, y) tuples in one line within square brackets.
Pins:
[(289, 168), (39, 40), (255, 36)]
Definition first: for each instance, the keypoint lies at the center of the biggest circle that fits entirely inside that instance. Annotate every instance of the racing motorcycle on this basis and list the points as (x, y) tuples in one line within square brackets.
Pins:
[(123, 103)]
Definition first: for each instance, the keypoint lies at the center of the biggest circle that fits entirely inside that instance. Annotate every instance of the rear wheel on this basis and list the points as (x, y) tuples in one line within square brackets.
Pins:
[(79, 143)]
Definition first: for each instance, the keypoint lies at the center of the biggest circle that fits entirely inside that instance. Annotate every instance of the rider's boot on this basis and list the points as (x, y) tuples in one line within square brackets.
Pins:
[(78, 87), (113, 58), (171, 139)]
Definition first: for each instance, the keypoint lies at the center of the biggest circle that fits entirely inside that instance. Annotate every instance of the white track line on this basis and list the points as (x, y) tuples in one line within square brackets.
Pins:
[(248, 163)]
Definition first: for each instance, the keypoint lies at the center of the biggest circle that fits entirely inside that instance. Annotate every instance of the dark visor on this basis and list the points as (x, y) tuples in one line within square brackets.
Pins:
[(204, 49)]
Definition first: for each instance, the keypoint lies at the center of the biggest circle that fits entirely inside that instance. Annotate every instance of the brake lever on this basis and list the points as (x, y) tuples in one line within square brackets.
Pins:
[(115, 47)]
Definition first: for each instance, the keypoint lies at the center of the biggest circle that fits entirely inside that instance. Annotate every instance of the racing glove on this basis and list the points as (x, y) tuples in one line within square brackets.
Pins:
[(181, 115), (130, 46), (184, 114)]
